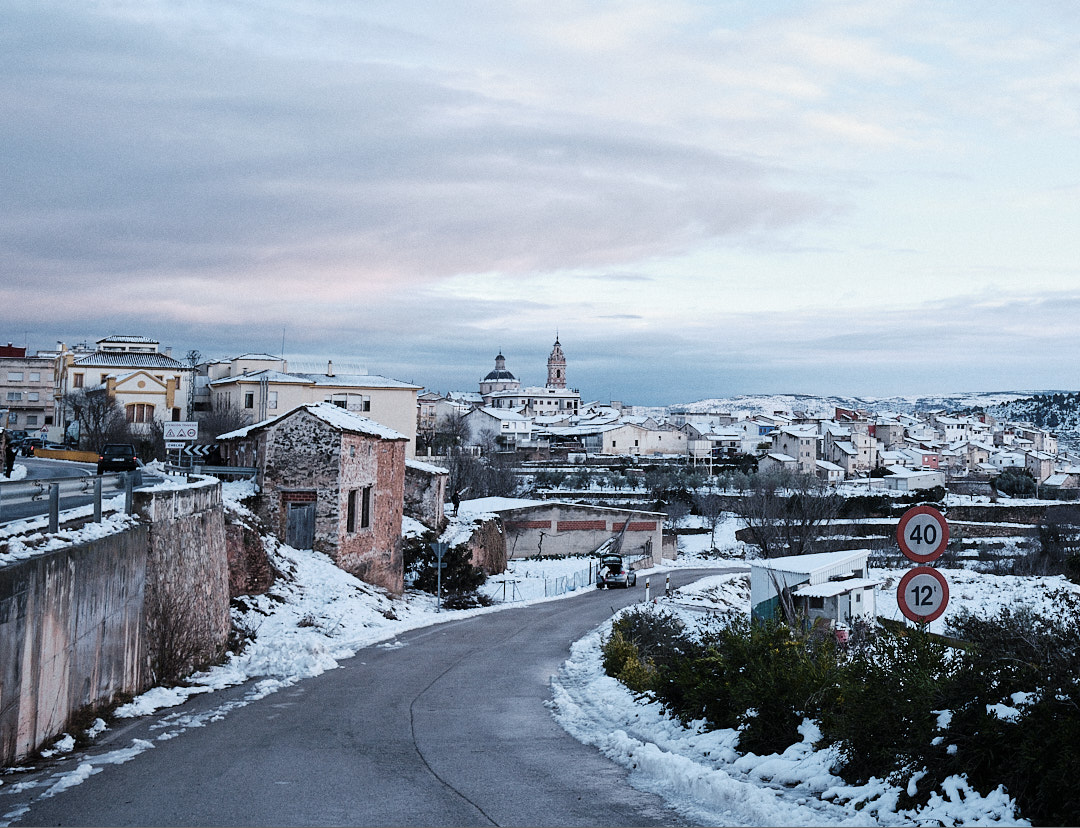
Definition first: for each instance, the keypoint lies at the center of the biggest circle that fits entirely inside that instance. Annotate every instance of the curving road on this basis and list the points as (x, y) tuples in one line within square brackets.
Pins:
[(445, 726)]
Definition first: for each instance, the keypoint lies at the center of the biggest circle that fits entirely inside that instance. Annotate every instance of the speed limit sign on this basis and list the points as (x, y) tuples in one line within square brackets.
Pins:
[(923, 594), (922, 534)]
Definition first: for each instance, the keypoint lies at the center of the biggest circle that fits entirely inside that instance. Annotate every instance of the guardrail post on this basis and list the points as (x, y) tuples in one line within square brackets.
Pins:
[(54, 507), (129, 486), (646, 590), (97, 499), (667, 587)]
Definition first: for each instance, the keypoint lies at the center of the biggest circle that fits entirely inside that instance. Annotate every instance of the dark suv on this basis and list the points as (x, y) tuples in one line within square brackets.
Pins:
[(117, 457)]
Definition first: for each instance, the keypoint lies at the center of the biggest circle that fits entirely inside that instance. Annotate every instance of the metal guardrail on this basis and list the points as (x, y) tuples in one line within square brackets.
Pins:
[(25, 491), (28, 491), (213, 471)]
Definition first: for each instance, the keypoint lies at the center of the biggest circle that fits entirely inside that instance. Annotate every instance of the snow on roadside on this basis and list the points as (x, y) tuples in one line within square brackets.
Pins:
[(700, 772)]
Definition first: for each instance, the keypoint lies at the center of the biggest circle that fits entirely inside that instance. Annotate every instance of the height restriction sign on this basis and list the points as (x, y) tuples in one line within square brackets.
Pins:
[(922, 534), (923, 594)]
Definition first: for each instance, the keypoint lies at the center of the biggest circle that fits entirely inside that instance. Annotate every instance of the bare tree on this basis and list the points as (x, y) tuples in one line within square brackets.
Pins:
[(488, 475), (675, 511), (451, 431), (711, 508), (221, 419), (100, 417), (785, 512)]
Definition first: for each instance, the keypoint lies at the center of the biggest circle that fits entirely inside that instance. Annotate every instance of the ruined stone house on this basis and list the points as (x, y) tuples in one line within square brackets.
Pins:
[(330, 480)]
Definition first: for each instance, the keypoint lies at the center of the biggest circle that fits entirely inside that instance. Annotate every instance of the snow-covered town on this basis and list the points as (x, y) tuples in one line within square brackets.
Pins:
[(331, 497)]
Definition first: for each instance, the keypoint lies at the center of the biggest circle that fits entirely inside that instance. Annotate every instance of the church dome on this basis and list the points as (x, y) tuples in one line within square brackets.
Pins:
[(496, 376), (500, 374)]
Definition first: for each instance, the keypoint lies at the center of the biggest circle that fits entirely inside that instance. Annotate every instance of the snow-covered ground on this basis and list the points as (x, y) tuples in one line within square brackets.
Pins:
[(18, 472), (316, 615)]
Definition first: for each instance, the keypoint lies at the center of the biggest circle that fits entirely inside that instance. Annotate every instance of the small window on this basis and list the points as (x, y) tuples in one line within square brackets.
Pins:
[(15, 376), (13, 418), (14, 396), (31, 419), (249, 399), (32, 396), (271, 400), (365, 507), (817, 603), (35, 376), (77, 381), (350, 512)]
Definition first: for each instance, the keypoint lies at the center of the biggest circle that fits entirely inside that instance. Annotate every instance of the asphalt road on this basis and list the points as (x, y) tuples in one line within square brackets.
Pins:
[(447, 727)]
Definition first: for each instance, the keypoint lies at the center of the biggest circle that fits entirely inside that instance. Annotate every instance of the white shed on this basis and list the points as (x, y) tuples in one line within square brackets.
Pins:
[(830, 585)]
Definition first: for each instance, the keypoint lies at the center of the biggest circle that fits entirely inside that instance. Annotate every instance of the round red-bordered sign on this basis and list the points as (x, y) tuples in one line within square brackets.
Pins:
[(923, 594), (923, 534)]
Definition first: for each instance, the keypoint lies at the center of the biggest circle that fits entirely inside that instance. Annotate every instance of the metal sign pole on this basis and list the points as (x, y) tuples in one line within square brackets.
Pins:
[(439, 548)]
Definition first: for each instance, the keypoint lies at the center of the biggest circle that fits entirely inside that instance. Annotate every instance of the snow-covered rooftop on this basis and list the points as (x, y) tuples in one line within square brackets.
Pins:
[(830, 589), (333, 415)]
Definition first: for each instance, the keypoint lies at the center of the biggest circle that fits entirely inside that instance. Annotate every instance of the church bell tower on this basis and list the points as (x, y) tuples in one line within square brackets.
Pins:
[(556, 367)]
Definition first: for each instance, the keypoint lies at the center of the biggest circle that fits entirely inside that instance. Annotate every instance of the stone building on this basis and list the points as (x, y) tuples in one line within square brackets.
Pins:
[(330, 480), (425, 493)]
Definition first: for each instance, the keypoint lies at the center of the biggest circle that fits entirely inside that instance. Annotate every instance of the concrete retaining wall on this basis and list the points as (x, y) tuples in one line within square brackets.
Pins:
[(84, 624), (71, 624)]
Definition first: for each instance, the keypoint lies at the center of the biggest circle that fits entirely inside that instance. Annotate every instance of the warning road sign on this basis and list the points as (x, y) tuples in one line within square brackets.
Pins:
[(181, 431)]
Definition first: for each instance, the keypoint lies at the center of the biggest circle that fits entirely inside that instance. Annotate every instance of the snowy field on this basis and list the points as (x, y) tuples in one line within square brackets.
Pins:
[(317, 615)]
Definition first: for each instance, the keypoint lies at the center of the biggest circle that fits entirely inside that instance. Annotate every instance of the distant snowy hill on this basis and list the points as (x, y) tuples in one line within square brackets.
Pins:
[(748, 405)]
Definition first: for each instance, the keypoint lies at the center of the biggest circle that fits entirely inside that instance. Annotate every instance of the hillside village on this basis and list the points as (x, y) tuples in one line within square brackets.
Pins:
[(400, 446), (62, 397)]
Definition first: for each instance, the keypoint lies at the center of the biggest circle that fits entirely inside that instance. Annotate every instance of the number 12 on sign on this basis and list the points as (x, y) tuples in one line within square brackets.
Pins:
[(923, 594)]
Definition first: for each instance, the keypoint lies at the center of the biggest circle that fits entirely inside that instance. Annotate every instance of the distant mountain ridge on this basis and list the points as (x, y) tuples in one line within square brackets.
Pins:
[(749, 405)]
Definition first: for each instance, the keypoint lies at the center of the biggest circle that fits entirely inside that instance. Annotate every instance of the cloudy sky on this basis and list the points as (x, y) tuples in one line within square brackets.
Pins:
[(701, 198)]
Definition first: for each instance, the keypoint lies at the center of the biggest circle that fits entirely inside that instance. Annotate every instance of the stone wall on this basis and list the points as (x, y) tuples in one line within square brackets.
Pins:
[(187, 577), (250, 570), (425, 494), (487, 547)]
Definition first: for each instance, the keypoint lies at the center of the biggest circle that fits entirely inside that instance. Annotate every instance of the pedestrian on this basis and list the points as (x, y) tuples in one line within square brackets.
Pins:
[(9, 457)]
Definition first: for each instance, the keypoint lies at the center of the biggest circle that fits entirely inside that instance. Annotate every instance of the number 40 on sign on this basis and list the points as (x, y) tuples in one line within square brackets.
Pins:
[(923, 534)]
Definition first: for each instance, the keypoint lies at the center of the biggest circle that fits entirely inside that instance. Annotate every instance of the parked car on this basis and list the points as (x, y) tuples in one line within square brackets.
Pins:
[(612, 573), (27, 446), (117, 457)]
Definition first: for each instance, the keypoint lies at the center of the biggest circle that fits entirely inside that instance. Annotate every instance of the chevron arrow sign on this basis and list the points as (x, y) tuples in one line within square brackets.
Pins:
[(199, 451)]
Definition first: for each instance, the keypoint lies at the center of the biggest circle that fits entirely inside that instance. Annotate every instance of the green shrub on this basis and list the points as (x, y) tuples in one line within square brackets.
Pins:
[(1015, 482), (879, 699), (881, 713), (458, 576)]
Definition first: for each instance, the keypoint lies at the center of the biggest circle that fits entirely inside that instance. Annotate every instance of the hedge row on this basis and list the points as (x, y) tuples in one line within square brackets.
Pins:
[(894, 702)]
